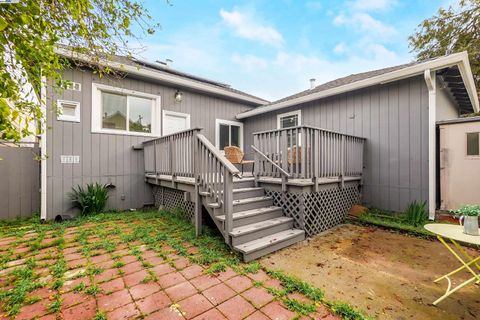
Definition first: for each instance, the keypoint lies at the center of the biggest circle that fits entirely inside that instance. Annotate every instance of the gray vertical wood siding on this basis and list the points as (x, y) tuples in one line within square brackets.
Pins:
[(19, 182), (394, 119), (108, 158)]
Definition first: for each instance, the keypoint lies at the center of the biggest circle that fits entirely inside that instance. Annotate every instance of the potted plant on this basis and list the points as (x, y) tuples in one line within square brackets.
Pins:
[(469, 216)]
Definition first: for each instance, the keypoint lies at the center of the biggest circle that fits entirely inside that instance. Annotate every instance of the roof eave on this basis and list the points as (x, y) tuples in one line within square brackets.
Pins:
[(460, 59), (166, 78)]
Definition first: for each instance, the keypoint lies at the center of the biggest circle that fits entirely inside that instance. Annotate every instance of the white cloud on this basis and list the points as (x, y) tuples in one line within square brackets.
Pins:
[(370, 5), (250, 62), (365, 23), (340, 48), (247, 26)]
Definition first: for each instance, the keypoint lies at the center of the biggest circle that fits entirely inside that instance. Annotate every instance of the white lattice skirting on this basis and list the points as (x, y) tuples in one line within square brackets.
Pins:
[(172, 199), (318, 211)]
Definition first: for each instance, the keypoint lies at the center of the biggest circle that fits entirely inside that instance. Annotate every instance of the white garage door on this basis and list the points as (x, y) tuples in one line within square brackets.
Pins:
[(175, 121)]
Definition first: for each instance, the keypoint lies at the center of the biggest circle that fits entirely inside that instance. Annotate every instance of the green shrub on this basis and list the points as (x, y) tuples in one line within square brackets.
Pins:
[(468, 210), (91, 199), (416, 214)]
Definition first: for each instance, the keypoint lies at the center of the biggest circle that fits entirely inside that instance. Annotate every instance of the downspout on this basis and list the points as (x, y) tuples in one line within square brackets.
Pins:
[(43, 151), (430, 80)]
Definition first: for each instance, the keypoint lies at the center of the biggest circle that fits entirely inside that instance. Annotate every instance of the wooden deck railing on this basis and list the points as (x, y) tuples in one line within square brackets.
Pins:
[(189, 154), (172, 154), (306, 152), (215, 175)]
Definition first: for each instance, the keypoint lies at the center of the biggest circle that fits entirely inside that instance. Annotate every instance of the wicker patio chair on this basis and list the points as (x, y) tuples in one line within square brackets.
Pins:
[(235, 156)]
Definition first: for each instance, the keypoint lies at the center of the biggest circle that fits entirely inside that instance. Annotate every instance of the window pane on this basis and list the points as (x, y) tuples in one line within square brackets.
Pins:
[(140, 114), (289, 121), (114, 111), (235, 133), (472, 144), (224, 136)]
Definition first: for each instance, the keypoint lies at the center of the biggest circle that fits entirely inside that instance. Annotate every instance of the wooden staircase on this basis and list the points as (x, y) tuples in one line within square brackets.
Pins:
[(259, 227)]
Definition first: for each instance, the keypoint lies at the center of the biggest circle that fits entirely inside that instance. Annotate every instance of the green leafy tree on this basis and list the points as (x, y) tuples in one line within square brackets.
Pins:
[(31, 30), (451, 30)]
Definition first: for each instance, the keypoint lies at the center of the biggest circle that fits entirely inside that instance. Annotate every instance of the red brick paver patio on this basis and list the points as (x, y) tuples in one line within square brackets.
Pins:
[(108, 276)]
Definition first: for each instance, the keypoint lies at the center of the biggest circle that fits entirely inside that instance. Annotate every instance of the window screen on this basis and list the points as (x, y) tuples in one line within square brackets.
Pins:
[(473, 144)]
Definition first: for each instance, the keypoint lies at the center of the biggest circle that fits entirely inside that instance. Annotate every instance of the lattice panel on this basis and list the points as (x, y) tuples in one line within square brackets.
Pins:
[(328, 208), (173, 199), (292, 204)]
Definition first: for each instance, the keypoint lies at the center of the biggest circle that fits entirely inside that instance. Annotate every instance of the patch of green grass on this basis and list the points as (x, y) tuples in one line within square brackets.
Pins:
[(93, 290), (216, 267), (292, 284), (347, 312), (252, 267), (79, 287), (55, 306), (391, 221), (93, 270), (100, 316), (297, 306), (257, 283), (119, 264)]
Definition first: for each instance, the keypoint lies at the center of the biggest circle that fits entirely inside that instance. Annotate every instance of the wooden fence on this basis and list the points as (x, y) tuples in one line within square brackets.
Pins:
[(19, 180)]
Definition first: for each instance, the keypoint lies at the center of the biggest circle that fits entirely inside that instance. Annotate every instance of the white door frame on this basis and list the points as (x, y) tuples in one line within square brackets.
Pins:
[(218, 122)]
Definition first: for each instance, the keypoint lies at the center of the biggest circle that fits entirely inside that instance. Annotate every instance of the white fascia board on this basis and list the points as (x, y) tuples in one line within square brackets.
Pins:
[(460, 59), (171, 79)]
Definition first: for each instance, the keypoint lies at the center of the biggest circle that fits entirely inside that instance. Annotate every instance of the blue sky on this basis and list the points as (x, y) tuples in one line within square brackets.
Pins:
[(272, 48)]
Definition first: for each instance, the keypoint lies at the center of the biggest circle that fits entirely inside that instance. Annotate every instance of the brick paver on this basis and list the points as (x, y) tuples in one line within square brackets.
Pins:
[(124, 279)]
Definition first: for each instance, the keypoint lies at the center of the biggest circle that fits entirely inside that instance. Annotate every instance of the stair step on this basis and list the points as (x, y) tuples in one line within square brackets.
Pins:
[(255, 215), (214, 205), (257, 248), (205, 193), (252, 203), (260, 229), (249, 192), (262, 225), (244, 182)]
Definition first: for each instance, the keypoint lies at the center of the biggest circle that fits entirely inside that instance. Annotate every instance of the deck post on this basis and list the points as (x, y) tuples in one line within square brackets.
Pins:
[(227, 203), (342, 162), (198, 198)]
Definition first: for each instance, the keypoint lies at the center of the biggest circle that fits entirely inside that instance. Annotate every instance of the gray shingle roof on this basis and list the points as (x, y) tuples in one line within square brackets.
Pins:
[(347, 80)]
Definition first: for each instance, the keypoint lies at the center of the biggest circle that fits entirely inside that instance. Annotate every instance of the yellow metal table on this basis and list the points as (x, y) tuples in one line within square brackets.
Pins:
[(452, 233)]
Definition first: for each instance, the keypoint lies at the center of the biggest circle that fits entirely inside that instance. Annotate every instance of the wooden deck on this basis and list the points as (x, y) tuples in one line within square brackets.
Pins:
[(243, 206)]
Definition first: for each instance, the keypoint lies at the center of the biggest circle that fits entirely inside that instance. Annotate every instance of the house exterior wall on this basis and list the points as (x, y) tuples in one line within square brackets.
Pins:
[(446, 107), (459, 174), (393, 117), (109, 158)]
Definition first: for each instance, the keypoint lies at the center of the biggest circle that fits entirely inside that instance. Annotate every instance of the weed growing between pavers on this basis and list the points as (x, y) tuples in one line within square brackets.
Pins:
[(159, 234)]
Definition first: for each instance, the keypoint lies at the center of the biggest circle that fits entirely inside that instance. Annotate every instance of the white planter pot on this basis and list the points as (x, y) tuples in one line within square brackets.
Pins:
[(470, 225)]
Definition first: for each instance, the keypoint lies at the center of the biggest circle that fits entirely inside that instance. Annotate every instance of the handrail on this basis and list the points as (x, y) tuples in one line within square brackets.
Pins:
[(224, 161), (178, 133), (309, 127), (260, 153)]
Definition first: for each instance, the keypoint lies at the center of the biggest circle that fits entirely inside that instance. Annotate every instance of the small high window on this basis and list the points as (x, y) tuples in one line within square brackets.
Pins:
[(473, 144), (68, 110)]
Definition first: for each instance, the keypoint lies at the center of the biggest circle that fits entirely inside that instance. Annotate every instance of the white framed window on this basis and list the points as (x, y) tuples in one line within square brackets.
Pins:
[(228, 133), (68, 110), (473, 144), (174, 122), (126, 112), (289, 119)]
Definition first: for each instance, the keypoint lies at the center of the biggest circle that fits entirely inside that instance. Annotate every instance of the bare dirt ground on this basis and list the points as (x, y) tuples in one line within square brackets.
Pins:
[(387, 274)]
